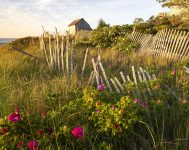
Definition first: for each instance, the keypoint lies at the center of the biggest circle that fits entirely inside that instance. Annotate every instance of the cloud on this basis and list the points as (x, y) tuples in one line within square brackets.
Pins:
[(29, 15)]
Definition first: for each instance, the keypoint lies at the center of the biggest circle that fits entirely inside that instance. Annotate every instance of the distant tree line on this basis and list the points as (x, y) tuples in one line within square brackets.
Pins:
[(182, 18), (116, 37)]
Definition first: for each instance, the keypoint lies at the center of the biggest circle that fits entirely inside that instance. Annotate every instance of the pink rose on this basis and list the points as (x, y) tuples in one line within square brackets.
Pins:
[(161, 72), (14, 117), (33, 145), (135, 101), (101, 87), (78, 132), (40, 132), (43, 115), (113, 107), (97, 111), (19, 145), (144, 104), (174, 72), (3, 130), (116, 125), (49, 131)]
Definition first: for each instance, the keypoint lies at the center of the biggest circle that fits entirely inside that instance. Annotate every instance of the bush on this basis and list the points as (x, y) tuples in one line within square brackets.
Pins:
[(115, 37), (23, 43)]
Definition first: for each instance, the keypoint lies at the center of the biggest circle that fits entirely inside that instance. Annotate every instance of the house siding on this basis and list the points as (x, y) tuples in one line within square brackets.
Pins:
[(72, 30), (81, 25)]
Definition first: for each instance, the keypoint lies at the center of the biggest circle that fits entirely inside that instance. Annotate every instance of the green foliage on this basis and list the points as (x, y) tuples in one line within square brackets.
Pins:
[(182, 18), (138, 21), (125, 44), (115, 37), (32, 126), (110, 120), (110, 115), (102, 24), (23, 43), (170, 3)]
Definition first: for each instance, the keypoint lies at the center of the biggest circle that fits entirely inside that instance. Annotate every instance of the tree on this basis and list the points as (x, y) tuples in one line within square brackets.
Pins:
[(183, 15), (177, 3), (102, 24), (138, 21)]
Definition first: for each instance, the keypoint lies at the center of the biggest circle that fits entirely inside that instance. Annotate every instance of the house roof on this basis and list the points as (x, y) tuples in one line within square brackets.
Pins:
[(75, 22)]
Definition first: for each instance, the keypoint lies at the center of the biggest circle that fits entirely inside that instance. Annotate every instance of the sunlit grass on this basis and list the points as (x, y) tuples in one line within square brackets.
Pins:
[(28, 83)]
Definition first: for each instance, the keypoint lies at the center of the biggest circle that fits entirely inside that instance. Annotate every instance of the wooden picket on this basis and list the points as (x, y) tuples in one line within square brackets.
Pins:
[(59, 51), (169, 43)]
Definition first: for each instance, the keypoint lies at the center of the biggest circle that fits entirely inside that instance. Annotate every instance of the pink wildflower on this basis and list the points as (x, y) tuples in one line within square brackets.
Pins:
[(49, 131), (174, 72), (33, 145), (135, 101), (3, 130), (113, 107), (14, 117), (43, 115), (144, 104), (78, 132), (19, 145), (116, 125), (40, 132), (101, 87), (97, 111)]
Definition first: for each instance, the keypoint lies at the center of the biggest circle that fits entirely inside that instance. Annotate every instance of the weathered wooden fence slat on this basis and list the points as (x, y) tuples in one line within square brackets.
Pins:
[(84, 63), (134, 75), (62, 54), (67, 53), (119, 84), (123, 77), (116, 87), (105, 77), (72, 57), (96, 72)]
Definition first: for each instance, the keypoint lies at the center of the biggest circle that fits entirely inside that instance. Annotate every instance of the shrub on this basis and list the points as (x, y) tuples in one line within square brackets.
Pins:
[(115, 37)]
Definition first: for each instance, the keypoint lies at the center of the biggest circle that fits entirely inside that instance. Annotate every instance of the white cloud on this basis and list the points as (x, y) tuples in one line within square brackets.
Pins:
[(27, 17)]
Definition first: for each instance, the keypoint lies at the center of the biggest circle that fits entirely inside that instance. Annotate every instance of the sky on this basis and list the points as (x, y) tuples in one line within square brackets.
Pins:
[(20, 18)]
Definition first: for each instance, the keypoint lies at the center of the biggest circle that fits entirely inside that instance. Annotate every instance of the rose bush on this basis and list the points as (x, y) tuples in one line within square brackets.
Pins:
[(20, 127), (99, 119)]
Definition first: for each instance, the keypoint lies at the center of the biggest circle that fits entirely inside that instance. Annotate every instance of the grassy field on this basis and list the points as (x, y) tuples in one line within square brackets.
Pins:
[(68, 102)]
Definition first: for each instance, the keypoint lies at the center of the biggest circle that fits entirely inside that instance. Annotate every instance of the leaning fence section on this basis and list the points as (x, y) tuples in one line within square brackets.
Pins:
[(119, 84), (168, 43)]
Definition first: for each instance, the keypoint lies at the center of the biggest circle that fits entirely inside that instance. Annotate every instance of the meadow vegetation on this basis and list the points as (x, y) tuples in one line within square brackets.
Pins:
[(51, 110), (42, 108)]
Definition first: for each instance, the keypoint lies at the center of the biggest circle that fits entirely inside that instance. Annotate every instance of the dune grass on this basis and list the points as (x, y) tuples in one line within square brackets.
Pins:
[(28, 83)]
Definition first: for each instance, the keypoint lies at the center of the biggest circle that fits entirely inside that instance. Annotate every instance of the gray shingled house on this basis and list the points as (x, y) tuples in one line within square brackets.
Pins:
[(77, 25)]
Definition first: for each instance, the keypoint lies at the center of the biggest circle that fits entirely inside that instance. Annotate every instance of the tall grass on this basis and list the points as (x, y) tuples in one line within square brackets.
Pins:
[(29, 83)]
